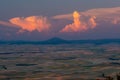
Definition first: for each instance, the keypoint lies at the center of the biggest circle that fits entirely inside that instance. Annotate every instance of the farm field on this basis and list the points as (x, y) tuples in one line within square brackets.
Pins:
[(58, 62)]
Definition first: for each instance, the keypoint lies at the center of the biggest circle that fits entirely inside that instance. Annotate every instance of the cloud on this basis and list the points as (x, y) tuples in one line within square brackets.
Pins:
[(78, 25), (109, 15), (76, 22), (64, 16), (6, 23), (99, 12), (31, 23), (92, 23), (89, 19)]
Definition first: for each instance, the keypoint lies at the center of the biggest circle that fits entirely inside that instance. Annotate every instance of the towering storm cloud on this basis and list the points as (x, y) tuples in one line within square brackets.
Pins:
[(78, 25), (31, 23), (75, 22)]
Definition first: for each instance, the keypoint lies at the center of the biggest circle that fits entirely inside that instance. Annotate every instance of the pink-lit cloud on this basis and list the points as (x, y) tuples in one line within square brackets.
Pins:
[(91, 18), (92, 22), (109, 15), (6, 23), (31, 23), (78, 25), (76, 22)]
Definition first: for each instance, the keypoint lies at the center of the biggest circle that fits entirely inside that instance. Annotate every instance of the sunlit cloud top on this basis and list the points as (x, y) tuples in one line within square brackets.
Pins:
[(31, 23), (79, 25), (78, 21)]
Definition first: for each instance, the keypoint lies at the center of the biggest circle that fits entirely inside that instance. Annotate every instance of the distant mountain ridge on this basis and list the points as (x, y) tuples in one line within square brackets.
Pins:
[(57, 40)]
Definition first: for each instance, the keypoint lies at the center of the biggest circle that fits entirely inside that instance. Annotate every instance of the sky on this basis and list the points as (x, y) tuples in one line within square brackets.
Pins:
[(36, 20)]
